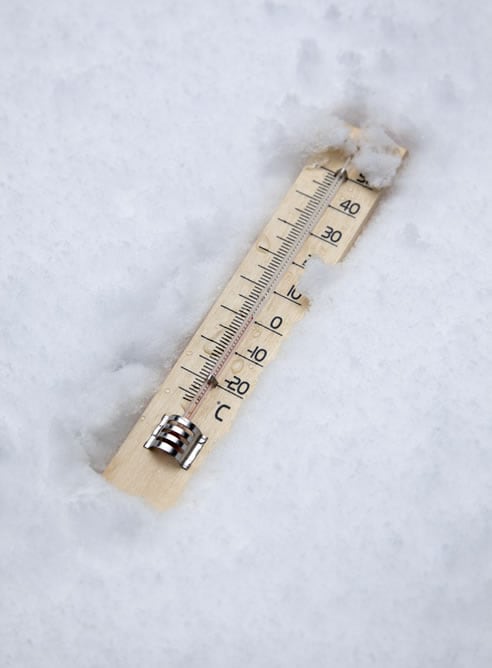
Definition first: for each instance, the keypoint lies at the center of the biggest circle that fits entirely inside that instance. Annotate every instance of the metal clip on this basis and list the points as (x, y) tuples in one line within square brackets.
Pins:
[(178, 437)]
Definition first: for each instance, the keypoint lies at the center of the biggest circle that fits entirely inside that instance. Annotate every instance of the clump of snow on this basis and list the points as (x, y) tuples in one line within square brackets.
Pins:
[(377, 156), (305, 133), (318, 277), (300, 133), (373, 152)]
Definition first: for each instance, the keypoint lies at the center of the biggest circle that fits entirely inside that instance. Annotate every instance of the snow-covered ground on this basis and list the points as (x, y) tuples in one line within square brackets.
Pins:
[(346, 521)]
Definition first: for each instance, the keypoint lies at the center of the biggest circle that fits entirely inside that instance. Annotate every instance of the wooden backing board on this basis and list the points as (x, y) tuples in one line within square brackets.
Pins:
[(156, 476)]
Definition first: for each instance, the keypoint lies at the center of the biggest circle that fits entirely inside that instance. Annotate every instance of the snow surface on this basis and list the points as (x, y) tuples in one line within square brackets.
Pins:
[(347, 519)]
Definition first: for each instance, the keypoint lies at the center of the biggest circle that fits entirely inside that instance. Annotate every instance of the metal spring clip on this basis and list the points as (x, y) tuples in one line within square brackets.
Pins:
[(178, 437)]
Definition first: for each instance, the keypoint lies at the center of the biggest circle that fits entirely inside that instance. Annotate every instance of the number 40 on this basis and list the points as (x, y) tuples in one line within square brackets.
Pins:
[(350, 207)]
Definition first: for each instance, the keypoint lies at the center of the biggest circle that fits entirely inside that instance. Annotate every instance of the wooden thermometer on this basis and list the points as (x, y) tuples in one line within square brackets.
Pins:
[(322, 215)]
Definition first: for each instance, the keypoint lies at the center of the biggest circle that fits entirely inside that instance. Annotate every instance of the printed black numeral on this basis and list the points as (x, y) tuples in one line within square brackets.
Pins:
[(237, 385), (258, 354), (293, 294), (331, 235), (350, 207)]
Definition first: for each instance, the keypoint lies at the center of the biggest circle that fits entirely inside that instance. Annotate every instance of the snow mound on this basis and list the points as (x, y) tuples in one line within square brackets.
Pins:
[(373, 151), (377, 157)]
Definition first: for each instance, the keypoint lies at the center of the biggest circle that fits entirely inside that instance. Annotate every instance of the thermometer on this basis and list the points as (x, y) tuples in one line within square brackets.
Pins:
[(322, 215)]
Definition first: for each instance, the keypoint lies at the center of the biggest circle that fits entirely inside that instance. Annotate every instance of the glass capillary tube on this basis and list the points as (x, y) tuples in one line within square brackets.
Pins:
[(249, 317)]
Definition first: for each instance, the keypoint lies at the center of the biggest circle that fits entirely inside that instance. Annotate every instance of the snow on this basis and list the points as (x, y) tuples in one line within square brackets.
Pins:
[(346, 521), (377, 157), (372, 151)]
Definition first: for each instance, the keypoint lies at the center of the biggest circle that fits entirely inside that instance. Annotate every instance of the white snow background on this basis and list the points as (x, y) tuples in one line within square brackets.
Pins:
[(346, 521)]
